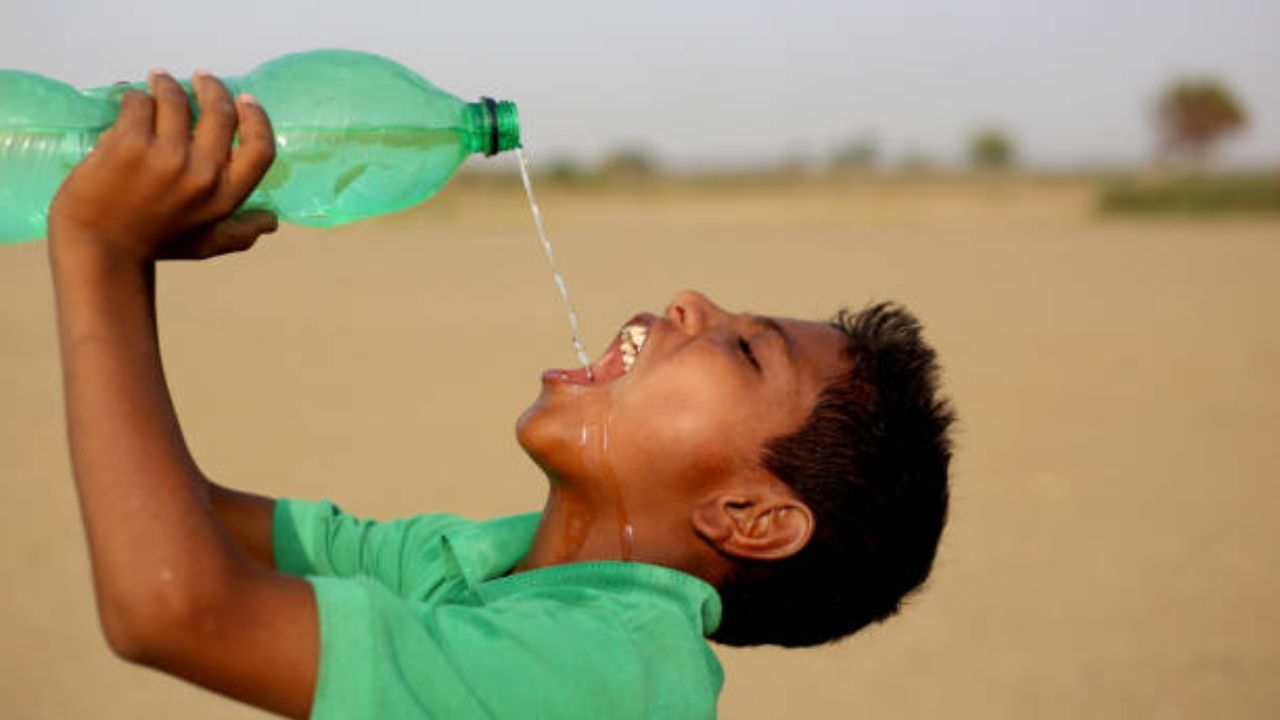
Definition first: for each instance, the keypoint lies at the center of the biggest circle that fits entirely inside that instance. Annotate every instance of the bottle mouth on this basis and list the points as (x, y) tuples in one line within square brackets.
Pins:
[(504, 126)]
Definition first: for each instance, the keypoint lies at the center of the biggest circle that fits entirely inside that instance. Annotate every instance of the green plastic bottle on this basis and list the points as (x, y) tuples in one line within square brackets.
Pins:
[(357, 135)]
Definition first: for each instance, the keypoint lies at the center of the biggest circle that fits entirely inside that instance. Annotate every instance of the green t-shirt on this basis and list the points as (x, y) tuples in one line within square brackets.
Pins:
[(419, 619)]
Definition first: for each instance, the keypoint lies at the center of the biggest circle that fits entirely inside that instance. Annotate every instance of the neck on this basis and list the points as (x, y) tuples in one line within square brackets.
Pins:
[(577, 527)]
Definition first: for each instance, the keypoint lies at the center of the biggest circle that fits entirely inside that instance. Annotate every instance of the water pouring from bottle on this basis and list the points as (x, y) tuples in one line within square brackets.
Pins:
[(551, 260)]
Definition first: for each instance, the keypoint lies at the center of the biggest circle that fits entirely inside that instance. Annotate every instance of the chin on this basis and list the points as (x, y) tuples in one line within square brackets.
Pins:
[(551, 435)]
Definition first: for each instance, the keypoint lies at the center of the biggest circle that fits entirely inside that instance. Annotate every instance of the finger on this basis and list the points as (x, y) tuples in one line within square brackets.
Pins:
[(173, 114), (137, 116), (217, 124), (251, 159)]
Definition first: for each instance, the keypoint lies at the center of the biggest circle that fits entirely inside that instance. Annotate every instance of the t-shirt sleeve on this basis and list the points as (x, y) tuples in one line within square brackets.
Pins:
[(383, 656), (318, 538)]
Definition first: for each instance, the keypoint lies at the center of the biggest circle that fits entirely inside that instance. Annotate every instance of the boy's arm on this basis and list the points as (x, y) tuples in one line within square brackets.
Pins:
[(173, 590), (247, 517)]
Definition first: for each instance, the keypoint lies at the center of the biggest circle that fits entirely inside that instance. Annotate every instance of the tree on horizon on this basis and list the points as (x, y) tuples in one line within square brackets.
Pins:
[(991, 149), (859, 154), (1194, 116)]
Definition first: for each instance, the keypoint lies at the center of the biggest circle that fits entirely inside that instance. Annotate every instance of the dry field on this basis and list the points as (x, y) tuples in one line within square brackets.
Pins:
[(1112, 551)]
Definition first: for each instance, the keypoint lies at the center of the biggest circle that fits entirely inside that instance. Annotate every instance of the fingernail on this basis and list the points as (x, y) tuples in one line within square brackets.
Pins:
[(157, 72), (201, 73), (247, 99)]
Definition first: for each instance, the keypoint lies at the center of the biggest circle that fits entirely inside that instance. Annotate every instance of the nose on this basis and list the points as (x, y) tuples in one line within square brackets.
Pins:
[(693, 312)]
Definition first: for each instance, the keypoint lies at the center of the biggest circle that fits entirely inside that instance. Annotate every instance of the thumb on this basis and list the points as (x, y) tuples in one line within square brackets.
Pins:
[(250, 223), (237, 233)]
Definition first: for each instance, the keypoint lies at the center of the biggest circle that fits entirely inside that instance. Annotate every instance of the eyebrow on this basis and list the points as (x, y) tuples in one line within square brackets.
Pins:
[(787, 341)]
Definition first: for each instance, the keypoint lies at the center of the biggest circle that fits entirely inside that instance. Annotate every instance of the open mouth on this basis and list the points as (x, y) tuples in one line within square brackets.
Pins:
[(618, 359)]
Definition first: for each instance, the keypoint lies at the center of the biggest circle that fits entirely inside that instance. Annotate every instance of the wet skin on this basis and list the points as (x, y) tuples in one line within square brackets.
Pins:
[(662, 464)]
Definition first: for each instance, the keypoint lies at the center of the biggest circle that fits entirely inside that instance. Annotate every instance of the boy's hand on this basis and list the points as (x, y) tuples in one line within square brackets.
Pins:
[(153, 188)]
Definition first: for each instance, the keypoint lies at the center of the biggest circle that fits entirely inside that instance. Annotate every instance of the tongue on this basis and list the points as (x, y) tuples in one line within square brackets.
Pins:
[(575, 376), (605, 370), (609, 367), (580, 375)]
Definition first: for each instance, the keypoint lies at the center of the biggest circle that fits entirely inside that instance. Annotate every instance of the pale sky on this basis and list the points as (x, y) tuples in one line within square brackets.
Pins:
[(735, 81)]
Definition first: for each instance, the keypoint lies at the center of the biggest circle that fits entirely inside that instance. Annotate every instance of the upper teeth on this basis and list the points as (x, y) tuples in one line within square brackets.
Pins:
[(633, 337)]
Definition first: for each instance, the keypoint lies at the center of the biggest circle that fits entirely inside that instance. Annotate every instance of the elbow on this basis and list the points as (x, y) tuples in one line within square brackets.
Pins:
[(124, 635), (149, 626)]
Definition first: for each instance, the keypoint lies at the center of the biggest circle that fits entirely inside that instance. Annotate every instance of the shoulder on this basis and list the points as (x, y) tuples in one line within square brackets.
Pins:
[(608, 634), (541, 656)]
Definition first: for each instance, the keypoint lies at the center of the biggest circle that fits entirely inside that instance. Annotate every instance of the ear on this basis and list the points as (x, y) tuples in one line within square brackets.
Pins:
[(760, 524)]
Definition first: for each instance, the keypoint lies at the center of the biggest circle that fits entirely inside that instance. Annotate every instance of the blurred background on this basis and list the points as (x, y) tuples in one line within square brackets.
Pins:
[(1081, 201)]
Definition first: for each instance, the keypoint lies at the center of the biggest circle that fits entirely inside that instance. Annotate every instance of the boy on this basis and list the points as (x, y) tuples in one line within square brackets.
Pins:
[(762, 481)]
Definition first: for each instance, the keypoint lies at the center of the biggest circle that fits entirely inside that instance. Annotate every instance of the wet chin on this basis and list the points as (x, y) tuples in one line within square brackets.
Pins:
[(551, 436)]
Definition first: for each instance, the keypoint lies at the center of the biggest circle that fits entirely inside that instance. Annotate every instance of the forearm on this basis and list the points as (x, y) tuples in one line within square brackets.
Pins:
[(246, 517), (153, 538)]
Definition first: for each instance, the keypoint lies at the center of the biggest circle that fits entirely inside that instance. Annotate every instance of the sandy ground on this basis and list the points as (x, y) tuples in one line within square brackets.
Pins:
[(1113, 546)]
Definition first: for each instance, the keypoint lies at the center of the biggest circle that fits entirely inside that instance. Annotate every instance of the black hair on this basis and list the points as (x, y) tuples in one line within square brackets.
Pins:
[(871, 463)]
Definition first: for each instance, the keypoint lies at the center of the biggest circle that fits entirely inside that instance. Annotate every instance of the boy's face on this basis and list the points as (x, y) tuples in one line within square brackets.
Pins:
[(706, 390)]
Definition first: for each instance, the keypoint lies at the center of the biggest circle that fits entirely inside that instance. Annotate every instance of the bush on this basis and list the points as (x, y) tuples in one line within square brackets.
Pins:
[(858, 155), (567, 171), (991, 149), (1197, 196), (629, 162)]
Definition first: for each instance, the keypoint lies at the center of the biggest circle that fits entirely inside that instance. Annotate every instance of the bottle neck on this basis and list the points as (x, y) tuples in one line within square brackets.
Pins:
[(494, 125)]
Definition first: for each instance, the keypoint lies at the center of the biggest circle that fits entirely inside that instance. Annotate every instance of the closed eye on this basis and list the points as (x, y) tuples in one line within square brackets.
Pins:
[(745, 347)]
